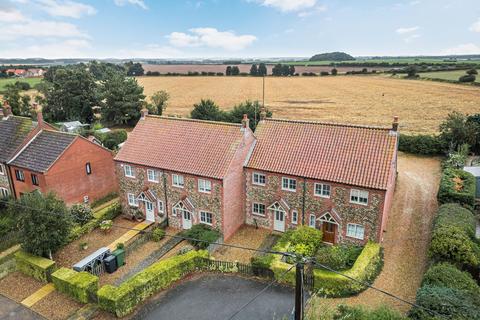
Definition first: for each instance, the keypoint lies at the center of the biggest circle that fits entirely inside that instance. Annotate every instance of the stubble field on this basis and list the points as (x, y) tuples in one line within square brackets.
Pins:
[(372, 100)]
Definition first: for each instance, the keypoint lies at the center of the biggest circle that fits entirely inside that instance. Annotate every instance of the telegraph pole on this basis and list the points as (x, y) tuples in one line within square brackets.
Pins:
[(299, 291)]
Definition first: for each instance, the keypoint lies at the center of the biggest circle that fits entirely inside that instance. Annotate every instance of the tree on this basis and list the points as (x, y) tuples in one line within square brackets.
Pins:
[(472, 71), (262, 69), (457, 130), (254, 70), (235, 71), (291, 70), (207, 110), (20, 104), (159, 102), (228, 71), (122, 100), (467, 78), (134, 69), (102, 70), (44, 223), (334, 72), (277, 70), (249, 108), (411, 71)]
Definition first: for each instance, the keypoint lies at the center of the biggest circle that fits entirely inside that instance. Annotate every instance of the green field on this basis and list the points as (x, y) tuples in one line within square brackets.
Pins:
[(380, 61), (31, 81), (445, 75)]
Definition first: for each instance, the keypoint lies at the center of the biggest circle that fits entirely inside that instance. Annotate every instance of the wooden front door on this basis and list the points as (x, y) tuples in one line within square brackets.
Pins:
[(329, 232)]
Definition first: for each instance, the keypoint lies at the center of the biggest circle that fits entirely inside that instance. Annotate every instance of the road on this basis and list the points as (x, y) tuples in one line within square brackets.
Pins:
[(11, 310)]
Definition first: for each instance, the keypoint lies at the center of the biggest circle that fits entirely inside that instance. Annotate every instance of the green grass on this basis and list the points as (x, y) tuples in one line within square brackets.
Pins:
[(31, 81), (393, 60), (446, 75)]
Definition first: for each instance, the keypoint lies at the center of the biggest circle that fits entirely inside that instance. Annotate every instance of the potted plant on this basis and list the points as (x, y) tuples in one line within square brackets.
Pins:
[(106, 225)]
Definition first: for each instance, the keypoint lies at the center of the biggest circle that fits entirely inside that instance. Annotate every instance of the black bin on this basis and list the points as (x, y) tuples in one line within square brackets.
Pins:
[(110, 264)]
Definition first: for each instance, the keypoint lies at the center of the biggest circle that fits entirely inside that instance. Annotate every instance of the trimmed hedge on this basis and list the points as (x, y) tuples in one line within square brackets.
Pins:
[(78, 285), (365, 269), (421, 144), (453, 214), (447, 192), (123, 299), (34, 266)]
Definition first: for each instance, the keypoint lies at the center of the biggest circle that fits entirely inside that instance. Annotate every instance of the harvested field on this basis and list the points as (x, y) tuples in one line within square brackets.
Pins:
[(373, 100)]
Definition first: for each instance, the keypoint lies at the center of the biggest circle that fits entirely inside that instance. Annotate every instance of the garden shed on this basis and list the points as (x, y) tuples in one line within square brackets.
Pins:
[(476, 173)]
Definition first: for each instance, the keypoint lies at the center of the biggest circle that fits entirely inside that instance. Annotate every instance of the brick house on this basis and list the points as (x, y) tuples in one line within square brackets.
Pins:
[(337, 178), (187, 171), (74, 168)]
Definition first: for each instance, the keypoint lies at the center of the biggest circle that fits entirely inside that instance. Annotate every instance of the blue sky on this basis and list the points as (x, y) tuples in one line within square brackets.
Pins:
[(236, 28)]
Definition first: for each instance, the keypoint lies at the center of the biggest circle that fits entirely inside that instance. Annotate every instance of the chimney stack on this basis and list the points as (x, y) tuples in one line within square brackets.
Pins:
[(143, 113), (38, 111), (245, 122), (395, 124), (7, 110), (263, 114)]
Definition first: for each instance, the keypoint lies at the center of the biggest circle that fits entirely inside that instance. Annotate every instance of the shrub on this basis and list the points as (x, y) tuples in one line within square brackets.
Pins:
[(450, 303), (456, 215), (472, 71), (158, 234), (34, 266), (345, 312), (201, 232), (81, 213), (449, 276), (123, 299), (305, 241), (420, 144), (107, 213), (334, 72), (324, 73), (457, 186), (467, 78), (452, 244), (78, 285), (338, 257)]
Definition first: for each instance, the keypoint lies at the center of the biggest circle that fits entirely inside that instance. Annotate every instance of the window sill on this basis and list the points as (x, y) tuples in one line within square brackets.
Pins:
[(206, 192), (208, 224), (180, 187), (153, 181), (259, 215), (359, 203), (351, 237), (321, 196), (290, 190), (131, 177), (258, 184)]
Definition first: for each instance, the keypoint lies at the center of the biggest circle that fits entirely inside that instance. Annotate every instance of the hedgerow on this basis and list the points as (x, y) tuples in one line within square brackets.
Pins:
[(421, 144), (34, 266), (453, 214), (78, 285), (457, 186)]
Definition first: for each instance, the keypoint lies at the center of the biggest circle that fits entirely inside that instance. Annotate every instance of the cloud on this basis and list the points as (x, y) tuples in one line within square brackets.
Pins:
[(139, 3), (316, 10), (288, 5), (69, 48), (406, 30), (211, 37), (467, 48), (475, 26), (66, 8), (40, 29), (11, 15), (414, 3)]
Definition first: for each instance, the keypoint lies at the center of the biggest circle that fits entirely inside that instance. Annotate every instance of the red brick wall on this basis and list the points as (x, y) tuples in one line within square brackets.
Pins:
[(69, 180), (234, 188), (27, 185)]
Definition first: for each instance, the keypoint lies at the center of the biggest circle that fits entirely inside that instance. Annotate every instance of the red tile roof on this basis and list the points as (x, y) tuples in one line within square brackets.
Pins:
[(196, 147), (349, 154)]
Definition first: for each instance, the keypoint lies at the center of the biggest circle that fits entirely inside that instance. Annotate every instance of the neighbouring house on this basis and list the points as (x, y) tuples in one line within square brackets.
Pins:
[(16, 72), (337, 178), (72, 126), (34, 72), (187, 171), (74, 168)]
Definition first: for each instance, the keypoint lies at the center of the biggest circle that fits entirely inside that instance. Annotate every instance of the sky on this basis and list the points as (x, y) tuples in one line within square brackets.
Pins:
[(236, 28)]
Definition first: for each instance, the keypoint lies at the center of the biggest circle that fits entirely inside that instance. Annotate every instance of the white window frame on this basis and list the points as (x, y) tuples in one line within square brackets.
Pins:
[(153, 177), (310, 220), (289, 184), (256, 179), (204, 186), (128, 170), (204, 217), (355, 232), (323, 187), (176, 178), (2, 170), (20, 176), (258, 205), (132, 201), (4, 192), (160, 206), (88, 168), (359, 194), (294, 217)]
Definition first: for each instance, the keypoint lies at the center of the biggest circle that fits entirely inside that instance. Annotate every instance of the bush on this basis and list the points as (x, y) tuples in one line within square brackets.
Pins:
[(324, 73), (158, 234), (345, 312), (201, 232), (34, 266), (305, 241), (450, 303), (448, 276), (467, 78), (452, 244), (78, 285), (107, 213), (420, 144), (457, 186), (81, 213), (338, 257), (453, 214), (123, 299), (472, 71)]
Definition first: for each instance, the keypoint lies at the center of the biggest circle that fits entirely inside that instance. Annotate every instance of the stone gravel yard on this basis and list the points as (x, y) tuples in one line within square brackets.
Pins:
[(18, 286)]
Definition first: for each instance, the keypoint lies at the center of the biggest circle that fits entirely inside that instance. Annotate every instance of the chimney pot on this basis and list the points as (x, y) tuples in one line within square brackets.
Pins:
[(143, 113), (395, 124)]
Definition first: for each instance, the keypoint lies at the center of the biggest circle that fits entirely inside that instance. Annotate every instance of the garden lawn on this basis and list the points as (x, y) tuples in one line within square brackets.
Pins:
[(408, 234), (31, 81)]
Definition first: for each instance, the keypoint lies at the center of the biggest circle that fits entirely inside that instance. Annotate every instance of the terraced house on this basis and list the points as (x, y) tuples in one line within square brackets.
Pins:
[(337, 178), (188, 171)]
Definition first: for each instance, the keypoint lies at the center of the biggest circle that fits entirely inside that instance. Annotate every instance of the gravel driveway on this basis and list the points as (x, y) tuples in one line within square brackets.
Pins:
[(408, 233)]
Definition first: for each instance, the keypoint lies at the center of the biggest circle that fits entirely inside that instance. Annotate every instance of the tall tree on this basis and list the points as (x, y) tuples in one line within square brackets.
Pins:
[(134, 69), (207, 110), (249, 108), (159, 102), (291, 70), (228, 71), (122, 100), (253, 70), (458, 129), (235, 71), (262, 69), (20, 103)]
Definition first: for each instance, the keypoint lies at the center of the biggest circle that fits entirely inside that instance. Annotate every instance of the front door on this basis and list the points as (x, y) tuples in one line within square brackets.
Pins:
[(149, 213), (279, 220), (329, 230), (187, 219)]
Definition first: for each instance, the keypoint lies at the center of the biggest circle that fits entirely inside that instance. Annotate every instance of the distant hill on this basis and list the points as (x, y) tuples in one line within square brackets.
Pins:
[(332, 56)]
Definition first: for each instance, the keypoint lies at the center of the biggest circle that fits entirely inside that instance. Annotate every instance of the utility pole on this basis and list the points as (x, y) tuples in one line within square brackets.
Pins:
[(299, 291)]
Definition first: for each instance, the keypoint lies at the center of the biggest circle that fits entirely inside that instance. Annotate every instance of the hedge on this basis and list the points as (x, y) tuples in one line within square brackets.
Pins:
[(421, 144), (330, 284), (34, 266), (123, 299), (453, 214), (78, 285), (447, 192), (107, 213)]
